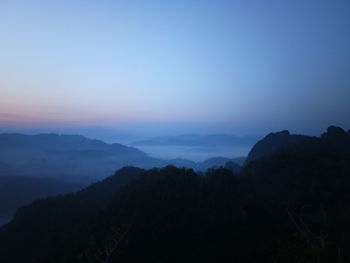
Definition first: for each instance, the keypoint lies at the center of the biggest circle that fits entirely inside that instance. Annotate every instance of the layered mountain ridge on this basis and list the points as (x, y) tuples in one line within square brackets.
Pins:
[(290, 204)]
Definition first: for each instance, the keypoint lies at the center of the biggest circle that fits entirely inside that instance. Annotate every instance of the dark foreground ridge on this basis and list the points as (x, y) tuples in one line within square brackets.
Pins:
[(289, 205)]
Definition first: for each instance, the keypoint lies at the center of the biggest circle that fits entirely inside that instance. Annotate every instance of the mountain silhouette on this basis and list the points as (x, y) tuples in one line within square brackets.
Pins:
[(335, 139), (290, 205)]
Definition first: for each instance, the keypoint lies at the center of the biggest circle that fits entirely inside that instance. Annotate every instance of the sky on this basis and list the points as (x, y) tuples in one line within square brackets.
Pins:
[(171, 67)]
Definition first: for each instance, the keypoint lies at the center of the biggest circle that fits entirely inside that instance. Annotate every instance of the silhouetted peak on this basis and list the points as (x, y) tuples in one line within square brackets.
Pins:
[(278, 134), (335, 140), (273, 142), (333, 132), (284, 132)]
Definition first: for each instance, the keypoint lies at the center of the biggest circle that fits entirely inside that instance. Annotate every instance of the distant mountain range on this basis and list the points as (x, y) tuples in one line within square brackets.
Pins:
[(193, 140), (67, 157), (76, 158)]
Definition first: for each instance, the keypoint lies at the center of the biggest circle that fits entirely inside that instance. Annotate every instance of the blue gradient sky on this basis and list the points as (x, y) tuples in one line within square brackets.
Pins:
[(243, 67)]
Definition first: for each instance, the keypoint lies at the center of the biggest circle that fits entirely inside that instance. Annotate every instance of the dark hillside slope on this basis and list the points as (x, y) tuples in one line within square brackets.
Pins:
[(16, 191), (45, 224)]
